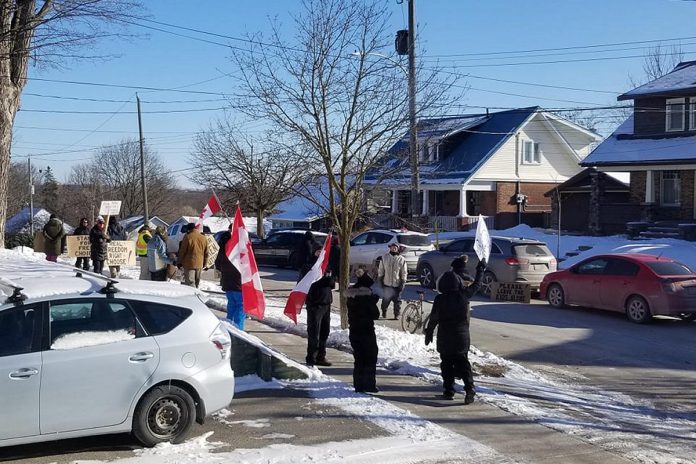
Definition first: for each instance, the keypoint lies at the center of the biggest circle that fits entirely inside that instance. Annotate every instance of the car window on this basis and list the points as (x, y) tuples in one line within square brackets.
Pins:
[(595, 266), (361, 239), (81, 323), (17, 330), (532, 249), (495, 249), (275, 239), (459, 246), (413, 240), (158, 318), (621, 267), (669, 268)]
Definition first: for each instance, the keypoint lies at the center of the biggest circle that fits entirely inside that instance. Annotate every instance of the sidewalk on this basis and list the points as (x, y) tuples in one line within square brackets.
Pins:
[(512, 436)]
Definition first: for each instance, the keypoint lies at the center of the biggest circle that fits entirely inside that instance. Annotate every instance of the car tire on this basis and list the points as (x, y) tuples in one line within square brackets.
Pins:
[(165, 413), (637, 310), (555, 296), (426, 276), (486, 282)]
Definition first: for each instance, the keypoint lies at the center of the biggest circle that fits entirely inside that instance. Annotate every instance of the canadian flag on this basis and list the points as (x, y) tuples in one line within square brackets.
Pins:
[(240, 254), (299, 294), (211, 208)]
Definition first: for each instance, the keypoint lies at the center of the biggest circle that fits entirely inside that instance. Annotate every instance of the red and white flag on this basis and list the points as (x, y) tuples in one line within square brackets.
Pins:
[(240, 254), (299, 294), (210, 209)]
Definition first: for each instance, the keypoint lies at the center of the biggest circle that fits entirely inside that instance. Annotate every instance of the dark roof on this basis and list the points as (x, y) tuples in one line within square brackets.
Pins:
[(475, 138), (582, 181), (682, 79)]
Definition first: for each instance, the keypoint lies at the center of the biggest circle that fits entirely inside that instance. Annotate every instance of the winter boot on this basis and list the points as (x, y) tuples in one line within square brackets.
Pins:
[(384, 314), (469, 397), (448, 394), (322, 362)]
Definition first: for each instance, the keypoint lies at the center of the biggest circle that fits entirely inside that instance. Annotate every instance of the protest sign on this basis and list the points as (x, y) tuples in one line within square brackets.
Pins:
[(507, 291), (110, 208), (78, 246), (120, 253)]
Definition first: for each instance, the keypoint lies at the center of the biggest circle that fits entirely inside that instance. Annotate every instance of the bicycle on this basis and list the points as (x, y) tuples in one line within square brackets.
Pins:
[(412, 317)]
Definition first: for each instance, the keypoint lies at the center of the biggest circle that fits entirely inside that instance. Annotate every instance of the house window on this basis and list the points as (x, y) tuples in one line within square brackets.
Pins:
[(675, 114), (429, 152), (531, 154), (670, 188), (692, 113)]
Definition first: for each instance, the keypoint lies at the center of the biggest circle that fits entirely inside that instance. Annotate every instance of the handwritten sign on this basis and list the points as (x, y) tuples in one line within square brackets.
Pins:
[(503, 291), (78, 246), (213, 249), (110, 208), (39, 242), (120, 253)]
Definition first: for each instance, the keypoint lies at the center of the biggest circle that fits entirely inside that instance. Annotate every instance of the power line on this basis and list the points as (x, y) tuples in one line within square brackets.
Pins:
[(107, 100), (191, 110)]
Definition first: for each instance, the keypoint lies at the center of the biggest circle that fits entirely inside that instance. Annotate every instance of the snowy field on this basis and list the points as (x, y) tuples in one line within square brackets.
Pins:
[(616, 422)]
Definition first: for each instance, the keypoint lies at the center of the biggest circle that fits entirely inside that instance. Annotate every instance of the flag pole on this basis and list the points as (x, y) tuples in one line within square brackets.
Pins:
[(221, 208)]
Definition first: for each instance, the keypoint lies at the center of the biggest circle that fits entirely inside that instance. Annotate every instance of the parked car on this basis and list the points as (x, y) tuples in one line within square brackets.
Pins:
[(279, 248), (512, 260), (99, 360), (253, 237), (367, 248), (637, 284), (175, 233)]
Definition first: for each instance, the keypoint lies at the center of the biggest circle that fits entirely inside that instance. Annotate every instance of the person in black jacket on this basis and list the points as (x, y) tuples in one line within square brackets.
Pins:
[(362, 313), (335, 258), (98, 241), (231, 283), (318, 303), (82, 229), (451, 312), (115, 231), (304, 253)]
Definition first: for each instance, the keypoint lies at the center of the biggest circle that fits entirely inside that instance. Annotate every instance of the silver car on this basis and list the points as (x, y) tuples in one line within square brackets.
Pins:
[(512, 260), (108, 358)]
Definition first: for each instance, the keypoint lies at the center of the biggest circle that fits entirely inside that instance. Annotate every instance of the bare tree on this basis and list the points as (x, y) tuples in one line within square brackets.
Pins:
[(49, 31), (18, 186), (114, 174), (337, 97), (660, 60), (226, 160)]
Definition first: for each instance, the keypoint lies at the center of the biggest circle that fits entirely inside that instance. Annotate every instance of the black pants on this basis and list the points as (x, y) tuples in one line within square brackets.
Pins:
[(318, 328), (391, 294), (82, 263), (98, 266), (456, 366), (364, 344), (159, 276)]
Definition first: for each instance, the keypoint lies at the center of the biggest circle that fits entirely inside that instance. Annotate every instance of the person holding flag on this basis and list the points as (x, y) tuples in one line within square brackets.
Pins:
[(230, 282), (315, 287)]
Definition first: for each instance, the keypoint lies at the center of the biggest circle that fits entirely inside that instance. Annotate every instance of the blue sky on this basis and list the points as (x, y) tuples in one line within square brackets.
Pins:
[(481, 33)]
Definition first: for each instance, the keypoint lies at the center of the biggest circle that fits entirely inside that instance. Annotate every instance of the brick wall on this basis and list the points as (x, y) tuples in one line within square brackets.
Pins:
[(686, 208), (538, 206), (637, 186)]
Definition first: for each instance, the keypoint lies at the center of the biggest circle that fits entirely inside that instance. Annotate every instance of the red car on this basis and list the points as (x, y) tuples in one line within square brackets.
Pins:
[(640, 285)]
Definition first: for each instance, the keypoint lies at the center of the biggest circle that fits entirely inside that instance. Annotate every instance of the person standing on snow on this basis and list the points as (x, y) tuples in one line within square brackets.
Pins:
[(53, 233), (157, 258), (82, 229), (231, 283), (362, 313), (193, 254), (144, 236), (305, 251), (392, 273), (98, 241), (451, 313), (115, 231), (318, 303)]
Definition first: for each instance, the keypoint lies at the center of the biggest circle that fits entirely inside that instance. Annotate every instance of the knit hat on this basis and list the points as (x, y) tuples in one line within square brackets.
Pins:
[(459, 264), (100, 219)]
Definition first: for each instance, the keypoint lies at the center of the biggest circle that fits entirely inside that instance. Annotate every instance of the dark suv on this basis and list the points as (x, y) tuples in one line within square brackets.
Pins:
[(512, 260), (280, 247)]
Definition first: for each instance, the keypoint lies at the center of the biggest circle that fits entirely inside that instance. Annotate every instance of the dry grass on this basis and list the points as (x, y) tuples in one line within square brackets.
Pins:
[(492, 370)]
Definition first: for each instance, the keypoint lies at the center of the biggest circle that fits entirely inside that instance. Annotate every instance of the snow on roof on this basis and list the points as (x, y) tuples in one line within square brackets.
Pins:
[(19, 223), (617, 151), (681, 78)]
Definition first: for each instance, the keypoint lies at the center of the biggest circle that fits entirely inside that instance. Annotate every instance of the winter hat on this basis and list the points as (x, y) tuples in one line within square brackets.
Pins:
[(459, 264), (160, 230), (392, 245), (100, 219)]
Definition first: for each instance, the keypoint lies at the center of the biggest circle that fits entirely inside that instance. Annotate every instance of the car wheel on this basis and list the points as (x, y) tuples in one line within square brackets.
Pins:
[(165, 413), (555, 296), (637, 310), (426, 276), (486, 283), (688, 317)]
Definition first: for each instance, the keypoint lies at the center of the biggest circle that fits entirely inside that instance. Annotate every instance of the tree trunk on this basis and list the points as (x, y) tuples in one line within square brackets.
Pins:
[(259, 223), (344, 276), (9, 102)]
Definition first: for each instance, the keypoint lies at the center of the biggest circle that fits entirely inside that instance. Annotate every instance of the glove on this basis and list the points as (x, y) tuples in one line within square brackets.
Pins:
[(481, 265), (400, 289), (428, 337)]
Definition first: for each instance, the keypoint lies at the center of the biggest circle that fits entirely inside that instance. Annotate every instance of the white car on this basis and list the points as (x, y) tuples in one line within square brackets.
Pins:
[(102, 358), (367, 248)]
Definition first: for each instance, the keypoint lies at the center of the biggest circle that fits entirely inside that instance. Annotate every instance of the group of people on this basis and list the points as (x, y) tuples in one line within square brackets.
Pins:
[(450, 314), (152, 253)]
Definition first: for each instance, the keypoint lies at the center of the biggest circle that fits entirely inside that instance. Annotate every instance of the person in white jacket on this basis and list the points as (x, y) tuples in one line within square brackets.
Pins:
[(392, 274)]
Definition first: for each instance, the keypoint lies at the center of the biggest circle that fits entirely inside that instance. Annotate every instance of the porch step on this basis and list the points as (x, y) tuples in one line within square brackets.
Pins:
[(663, 229), (658, 234)]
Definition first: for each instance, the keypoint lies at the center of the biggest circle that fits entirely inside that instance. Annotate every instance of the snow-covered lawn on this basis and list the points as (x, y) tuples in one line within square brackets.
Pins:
[(614, 421)]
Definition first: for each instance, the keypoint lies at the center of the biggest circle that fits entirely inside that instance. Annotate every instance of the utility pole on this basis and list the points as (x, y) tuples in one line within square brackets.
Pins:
[(146, 215), (31, 199), (413, 143)]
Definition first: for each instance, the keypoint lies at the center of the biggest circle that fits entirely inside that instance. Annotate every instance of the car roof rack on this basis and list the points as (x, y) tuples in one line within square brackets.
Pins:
[(109, 289), (17, 296)]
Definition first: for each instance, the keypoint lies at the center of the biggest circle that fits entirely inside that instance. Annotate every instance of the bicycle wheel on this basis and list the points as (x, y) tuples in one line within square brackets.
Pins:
[(411, 318)]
